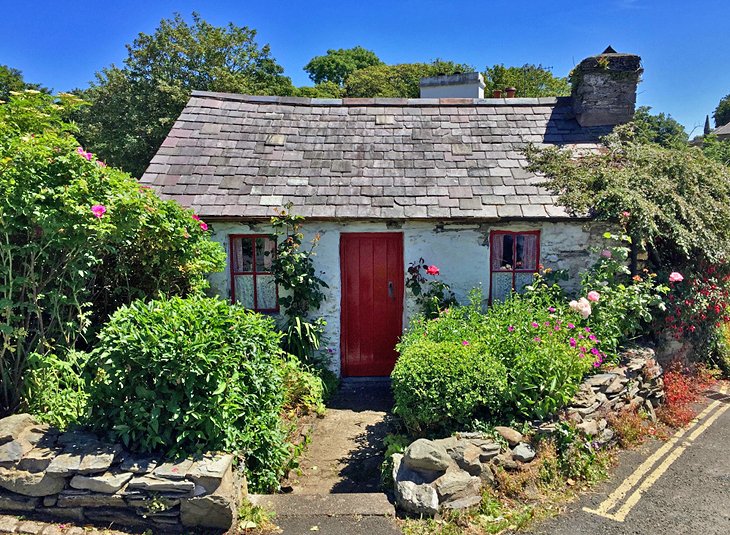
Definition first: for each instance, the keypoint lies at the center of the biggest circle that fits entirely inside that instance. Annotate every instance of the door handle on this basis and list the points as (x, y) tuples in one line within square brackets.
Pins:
[(391, 293)]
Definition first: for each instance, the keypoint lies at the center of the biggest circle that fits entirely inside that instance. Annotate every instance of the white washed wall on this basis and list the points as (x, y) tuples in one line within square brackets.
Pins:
[(461, 251)]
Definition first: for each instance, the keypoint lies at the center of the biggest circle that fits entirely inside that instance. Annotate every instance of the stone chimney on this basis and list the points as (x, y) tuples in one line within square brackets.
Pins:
[(604, 88), (468, 85)]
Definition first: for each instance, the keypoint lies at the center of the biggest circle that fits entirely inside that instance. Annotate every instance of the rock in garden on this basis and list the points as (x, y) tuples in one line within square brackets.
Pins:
[(649, 408), (107, 483), (74, 499), (138, 465), (210, 511), (584, 397), (446, 443), (489, 450), (588, 428), (174, 470), (37, 460), (506, 461), (425, 455), (155, 484), (512, 436), (600, 380), (463, 503), (467, 457), (616, 386), (606, 436), (15, 503), (209, 471), (456, 484), (523, 452), (487, 475), (418, 499), (12, 426), (97, 461), (64, 464), (29, 484)]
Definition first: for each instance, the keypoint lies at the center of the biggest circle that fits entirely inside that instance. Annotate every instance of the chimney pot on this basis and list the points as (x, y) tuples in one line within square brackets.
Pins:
[(467, 85), (604, 88)]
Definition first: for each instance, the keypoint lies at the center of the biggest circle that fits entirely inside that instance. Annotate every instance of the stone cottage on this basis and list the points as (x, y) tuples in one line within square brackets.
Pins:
[(384, 182)]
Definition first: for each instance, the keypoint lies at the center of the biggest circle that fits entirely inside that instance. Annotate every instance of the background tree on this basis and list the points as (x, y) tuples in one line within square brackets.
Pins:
[(722, 112), (398, 80), (529, 80), (321, 90), (660, 128), (12, 80), (133, 106), (337, 65), (716, 150)]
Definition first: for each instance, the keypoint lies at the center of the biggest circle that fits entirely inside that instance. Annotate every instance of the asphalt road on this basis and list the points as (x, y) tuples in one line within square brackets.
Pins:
[(686, 491)]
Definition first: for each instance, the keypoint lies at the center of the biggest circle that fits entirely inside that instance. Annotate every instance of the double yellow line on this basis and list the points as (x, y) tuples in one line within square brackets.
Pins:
[(621, 501)]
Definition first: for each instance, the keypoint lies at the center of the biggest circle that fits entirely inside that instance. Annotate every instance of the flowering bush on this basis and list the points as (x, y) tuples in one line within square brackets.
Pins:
[(617, 306), (432, 294), (540, 348), (79, 239)]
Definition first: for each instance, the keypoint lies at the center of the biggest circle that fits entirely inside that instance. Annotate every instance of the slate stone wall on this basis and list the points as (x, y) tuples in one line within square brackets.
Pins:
[(449, 473), (75, 476)]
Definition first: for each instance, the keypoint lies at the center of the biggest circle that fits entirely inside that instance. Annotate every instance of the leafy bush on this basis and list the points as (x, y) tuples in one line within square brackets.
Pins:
[(303, 390), (520, 359), (440, 385), (79, 239), (186, 375), (431, 294)]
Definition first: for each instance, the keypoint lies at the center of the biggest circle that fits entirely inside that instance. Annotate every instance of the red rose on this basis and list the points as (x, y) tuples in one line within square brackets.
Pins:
[(432, 270)]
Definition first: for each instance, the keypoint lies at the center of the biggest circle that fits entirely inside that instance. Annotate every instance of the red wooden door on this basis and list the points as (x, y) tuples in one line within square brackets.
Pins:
[(372, 302)]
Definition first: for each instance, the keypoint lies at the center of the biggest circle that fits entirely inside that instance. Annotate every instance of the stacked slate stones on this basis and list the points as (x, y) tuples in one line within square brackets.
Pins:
[(75, 476), (450, 473)]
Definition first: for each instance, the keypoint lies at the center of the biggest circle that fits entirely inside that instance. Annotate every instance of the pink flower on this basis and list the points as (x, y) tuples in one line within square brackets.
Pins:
[(432, 270), (537, 339), (597, 364), (582, 307), (588, 329), (675, 277), (83, 153), (626, 214), (592, 338), (511, 328), (196, 217), (547, 324), (465, 342), (551, 309), (203, 226), (535, 324), (595, 351), (606, 253), (593, 296), (100, 163), (571, 326), (98, 210), (572, 342)]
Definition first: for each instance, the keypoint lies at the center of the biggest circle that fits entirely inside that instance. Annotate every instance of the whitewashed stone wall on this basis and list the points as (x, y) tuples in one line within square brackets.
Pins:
[(460, 250)]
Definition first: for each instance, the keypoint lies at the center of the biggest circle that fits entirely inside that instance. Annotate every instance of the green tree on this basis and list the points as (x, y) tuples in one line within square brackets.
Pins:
[(529, 80), (716, 150), (12, 80), (336, 65), (398, 80), (673, 202), (133, 106), (321, 90), (722, 112), (660, 128)]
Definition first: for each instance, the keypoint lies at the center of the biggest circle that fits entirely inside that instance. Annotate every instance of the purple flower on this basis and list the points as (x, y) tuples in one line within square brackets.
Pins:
[(572, 342), (547, 324), (588, 329), (511, 328), (98, 210), (535, 324), (551, 309), (465, 342), (571, 326), (592, 337), (595, 351)]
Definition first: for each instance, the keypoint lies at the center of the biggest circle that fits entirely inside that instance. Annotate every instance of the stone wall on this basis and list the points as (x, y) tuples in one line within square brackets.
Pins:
[(449, 473), (460, 250), (75, 476)]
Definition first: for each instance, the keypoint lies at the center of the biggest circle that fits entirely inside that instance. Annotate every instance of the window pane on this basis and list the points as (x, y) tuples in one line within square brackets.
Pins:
[(502, 251), (242, 254), (501, 286), (264, 254), (526, 251), (243, 285), (266, 292), (522, 280)]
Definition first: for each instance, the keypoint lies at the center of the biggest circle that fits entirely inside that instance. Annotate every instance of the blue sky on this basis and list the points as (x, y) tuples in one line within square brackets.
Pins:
[(683, 44)]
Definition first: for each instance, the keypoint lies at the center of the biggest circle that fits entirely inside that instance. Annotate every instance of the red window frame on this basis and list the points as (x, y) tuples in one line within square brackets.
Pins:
[(254, 274), (514, 271)]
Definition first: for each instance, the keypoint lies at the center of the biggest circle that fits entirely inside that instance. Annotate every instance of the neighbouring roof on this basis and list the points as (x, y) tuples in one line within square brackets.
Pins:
[(722, 131), (238, 156)]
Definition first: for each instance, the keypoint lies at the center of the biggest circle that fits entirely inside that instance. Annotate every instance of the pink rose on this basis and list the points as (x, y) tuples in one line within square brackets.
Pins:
[(606, 253), (98, 210), (203, 226), (675, 277), (593, 296), (432, 270)]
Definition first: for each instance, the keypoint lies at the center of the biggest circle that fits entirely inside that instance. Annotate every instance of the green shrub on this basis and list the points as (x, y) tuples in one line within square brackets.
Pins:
[(79, 239), (443, 386), (303, 389), (523, 358), (186, 375)]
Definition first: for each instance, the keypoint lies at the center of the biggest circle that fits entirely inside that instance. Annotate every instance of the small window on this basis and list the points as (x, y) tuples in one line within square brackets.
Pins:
[(515, 257), (252, 280)]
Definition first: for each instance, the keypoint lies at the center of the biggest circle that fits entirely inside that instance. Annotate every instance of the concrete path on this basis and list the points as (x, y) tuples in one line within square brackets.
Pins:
[(338, 488), (679, 487)]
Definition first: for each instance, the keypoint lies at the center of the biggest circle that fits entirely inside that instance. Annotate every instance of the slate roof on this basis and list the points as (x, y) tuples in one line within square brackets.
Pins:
[(236, 156), (723, 132)]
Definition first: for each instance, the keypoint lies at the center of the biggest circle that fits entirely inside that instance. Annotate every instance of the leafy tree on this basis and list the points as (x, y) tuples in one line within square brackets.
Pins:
[(133, 106), (337, 65), (321, 90), (397, 80), (660, 128), (12, 80), (674, 202), (722, 112), (529, 80), (707, 129)]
